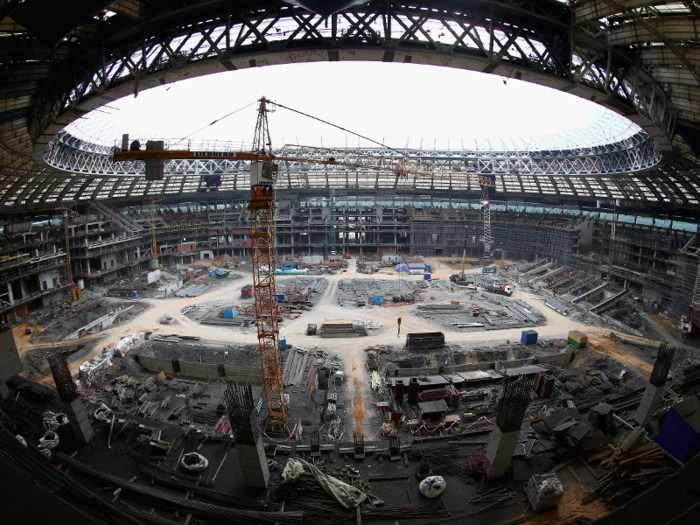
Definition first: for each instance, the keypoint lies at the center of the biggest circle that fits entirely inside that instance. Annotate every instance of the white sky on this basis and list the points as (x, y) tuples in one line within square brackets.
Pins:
[(398, 104)]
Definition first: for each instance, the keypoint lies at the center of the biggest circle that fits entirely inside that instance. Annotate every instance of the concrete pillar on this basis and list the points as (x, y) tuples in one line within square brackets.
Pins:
[(253, 464), (75, 411), (153, 264), (648, 405), (500, 451)]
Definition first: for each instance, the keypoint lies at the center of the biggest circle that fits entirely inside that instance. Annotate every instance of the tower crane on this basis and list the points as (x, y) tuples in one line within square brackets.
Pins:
[(263, 174), (74, 290)]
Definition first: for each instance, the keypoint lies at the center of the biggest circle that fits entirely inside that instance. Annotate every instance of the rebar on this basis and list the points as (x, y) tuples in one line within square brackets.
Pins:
[(514, 403), (241, 413), (65, 386), (664, 359)]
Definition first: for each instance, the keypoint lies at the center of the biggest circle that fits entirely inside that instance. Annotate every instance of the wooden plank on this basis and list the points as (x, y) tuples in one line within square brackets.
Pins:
[(379, 477), (564, 465), (573, 473), (220, 465)]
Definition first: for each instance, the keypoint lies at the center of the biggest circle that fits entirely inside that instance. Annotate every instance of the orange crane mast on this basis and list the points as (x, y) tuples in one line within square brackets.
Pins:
[(263, 173)]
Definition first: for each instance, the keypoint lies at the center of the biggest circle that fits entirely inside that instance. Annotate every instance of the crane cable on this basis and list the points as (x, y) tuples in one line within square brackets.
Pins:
[(216, 121), (340, 128)]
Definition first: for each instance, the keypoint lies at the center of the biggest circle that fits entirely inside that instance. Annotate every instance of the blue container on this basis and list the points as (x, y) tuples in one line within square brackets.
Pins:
[(211, 274), (529, 337), (680, 433), (283, 344), (229, 314), (280, 298), (426, 276), (217, 271), (378, 299), (136, 294)]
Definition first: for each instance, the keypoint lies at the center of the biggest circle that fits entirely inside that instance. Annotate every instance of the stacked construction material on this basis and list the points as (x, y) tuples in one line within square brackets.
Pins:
[(544, 384), (686, 375), (631, 467), (193, 290), (342, 329)]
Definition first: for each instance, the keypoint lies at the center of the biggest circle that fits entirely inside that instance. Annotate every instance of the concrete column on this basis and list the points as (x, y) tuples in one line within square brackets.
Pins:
[(648, 405), (253, 464), (500, 450), (78, 420)]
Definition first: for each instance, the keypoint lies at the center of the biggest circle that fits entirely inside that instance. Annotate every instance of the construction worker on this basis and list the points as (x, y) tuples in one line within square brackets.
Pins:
[(399, 323)]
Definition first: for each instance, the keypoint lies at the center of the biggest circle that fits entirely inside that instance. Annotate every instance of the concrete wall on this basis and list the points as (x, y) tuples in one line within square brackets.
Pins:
[(103, 322), (108, 261), (51, 279), (202, 370), (560, 360), (621, 326), (10, 364)]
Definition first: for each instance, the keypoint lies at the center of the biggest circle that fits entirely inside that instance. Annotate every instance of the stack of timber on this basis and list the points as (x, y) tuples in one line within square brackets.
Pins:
[(686, 376), (630, 467), (342, 329)]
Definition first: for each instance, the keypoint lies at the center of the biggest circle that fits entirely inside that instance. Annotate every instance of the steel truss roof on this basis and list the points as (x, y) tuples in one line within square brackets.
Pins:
[(635, 153), (637, 57), (669, 186)]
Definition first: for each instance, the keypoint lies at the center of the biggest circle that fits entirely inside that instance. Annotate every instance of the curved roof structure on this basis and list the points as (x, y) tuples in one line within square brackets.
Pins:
[(635, 57)]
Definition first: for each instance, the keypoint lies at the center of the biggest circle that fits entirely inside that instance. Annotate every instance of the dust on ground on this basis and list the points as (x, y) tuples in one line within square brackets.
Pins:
[(570, 508), (605, 345), (358, 412)]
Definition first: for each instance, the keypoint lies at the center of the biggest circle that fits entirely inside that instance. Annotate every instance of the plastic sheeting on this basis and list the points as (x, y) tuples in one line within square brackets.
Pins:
[(49, 441), (194, 462), (103, 413), (292, 470), (347, 495), (53, 421), (432, 486)]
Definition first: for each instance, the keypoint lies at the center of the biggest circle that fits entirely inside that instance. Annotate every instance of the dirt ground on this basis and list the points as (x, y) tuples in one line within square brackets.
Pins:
[(556, 326), (571, 511)]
